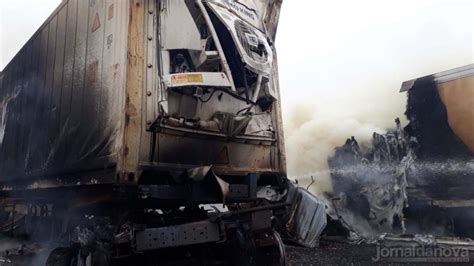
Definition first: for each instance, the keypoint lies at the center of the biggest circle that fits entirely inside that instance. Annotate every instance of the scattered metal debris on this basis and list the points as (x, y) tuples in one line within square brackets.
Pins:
[(415, 179), (425, 240), (307, 218), (370, 186)]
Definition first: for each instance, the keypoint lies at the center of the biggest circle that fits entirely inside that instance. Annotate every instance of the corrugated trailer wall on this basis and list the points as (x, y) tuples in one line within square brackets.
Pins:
[(61, 96)]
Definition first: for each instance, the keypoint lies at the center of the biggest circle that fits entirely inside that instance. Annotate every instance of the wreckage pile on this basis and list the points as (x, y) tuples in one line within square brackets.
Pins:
[(416, 179), (370, 185)]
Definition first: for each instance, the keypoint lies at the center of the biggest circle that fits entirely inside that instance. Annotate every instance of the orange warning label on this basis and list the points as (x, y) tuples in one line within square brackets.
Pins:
[(187, 78)]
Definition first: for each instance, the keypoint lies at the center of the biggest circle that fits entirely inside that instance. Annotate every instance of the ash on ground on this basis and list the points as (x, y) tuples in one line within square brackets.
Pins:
[(14, 252)]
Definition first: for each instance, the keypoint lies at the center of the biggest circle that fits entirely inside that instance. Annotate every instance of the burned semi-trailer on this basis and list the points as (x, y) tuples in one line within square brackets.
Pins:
[(123, 123), (440, 111), (417, 178)]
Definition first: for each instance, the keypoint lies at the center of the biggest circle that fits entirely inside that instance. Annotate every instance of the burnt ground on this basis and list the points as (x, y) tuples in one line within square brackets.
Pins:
[(328, 253), (331, 253), (340, 253)]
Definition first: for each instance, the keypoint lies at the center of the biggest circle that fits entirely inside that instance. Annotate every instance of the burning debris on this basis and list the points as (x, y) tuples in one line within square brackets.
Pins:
[(387, 188), (370, 184), (16, 252), (416, 179)]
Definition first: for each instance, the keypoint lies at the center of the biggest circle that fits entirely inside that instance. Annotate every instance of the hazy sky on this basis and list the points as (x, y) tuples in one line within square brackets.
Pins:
[(329, 51), (341, 49)]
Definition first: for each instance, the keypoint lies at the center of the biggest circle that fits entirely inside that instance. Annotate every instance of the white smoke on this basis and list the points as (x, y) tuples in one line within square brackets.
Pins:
[(341, 64), (313, 130)]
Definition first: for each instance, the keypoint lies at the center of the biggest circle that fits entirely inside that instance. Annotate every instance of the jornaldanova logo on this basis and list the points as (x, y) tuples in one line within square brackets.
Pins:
[(421, 254)]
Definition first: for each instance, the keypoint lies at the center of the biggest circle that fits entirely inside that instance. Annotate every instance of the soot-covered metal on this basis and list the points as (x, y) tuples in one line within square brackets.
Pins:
[(129, 127), (415, 179), (61, 94)]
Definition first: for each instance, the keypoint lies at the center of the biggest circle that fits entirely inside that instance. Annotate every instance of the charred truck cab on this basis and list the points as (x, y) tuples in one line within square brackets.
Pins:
[(148, 130)]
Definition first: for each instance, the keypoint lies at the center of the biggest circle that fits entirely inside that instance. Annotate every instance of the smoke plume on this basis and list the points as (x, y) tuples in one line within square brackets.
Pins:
[(314, 129)]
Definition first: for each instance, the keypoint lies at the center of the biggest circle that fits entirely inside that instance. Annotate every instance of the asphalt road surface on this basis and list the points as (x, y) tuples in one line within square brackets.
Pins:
[(328, 253), (338, 253)]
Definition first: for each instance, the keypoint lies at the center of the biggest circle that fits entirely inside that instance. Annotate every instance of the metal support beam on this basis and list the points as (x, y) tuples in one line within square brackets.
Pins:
[(177, 235), (215, 38)]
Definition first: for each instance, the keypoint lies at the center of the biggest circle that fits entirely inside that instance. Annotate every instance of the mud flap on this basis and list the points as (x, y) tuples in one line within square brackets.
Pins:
[(205, 173)]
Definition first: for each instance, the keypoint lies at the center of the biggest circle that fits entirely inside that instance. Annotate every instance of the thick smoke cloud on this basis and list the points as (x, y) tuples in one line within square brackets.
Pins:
[(341, 64), (313, 130)]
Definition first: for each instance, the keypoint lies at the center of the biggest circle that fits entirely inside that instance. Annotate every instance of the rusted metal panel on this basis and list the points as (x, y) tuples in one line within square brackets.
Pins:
[(133, 121)]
